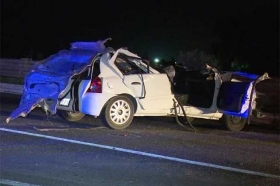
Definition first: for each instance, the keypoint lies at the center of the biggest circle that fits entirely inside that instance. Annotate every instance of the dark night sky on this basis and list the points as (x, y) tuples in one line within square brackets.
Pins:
[(246, 28)]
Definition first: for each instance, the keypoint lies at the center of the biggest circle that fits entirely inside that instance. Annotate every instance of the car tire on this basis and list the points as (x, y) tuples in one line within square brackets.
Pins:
[(118, 112), (70, 116), (234, 123)]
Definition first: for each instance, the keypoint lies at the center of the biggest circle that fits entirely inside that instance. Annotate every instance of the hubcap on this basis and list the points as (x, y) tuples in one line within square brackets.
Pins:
[(120, 112)]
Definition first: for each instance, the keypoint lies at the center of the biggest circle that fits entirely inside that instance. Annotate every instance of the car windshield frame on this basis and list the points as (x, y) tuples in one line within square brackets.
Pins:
[(130, 65)]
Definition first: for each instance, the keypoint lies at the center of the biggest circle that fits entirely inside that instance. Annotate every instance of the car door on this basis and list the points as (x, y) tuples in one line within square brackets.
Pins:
[(236, 94), (136, 85), (152, 90), (158, 96)]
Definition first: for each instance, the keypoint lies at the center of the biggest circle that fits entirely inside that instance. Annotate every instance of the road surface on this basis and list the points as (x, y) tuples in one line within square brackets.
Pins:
[(47, 150)]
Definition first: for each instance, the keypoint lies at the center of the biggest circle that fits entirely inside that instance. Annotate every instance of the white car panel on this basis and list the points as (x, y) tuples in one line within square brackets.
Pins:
[(92, 103), (156, 104), (107, 70), (134, 83)]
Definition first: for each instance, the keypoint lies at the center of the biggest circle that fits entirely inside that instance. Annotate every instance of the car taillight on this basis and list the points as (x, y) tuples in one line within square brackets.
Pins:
[(95, 86)]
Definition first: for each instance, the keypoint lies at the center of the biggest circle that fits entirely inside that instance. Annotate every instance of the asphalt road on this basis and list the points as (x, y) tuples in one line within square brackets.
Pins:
[(46, 150)]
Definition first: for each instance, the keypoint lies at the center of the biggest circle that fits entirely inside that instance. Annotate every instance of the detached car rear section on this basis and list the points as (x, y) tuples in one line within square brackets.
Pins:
[(226, 96)]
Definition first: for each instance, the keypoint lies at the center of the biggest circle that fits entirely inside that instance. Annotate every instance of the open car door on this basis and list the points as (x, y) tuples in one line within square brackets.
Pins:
[(237, 93), (77, 86)]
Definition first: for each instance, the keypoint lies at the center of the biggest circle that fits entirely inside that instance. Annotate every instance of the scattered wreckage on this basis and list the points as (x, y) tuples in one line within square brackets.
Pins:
[(117, 85)]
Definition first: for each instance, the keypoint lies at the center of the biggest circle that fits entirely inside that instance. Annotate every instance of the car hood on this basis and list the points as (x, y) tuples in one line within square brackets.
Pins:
[(48, 78)]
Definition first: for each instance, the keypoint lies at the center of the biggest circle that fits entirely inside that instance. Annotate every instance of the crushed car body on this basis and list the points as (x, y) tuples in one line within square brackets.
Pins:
[(49, 77), (116, 85)]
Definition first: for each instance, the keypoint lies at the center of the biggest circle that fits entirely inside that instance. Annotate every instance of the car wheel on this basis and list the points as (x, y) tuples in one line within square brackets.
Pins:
[(71, 116), (119, 112), (234, 123)]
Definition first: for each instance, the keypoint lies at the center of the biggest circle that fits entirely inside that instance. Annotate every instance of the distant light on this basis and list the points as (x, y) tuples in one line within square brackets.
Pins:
[(156, 60)]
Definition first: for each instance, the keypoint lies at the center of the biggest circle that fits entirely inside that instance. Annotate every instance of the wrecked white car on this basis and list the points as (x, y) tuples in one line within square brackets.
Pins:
[(117, 85)]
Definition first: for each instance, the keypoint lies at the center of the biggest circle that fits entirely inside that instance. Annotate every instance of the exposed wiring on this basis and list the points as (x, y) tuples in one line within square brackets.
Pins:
[(191, 128)]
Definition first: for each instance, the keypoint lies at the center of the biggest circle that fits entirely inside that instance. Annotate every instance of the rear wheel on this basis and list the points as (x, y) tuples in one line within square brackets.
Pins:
[(118, 113), (71, 116), (234, 123)]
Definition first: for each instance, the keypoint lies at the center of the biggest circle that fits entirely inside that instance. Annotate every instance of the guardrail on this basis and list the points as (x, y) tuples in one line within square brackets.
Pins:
[(17, 68), (11, 88), (14, 70)]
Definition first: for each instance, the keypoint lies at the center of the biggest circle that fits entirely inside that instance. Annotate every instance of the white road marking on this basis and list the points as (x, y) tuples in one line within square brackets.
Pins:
[(15, 183), (145, 154)]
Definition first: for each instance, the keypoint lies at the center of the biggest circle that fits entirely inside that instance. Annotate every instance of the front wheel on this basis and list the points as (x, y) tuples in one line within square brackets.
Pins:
[(234, 123), (71, 116), (118, 113)]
